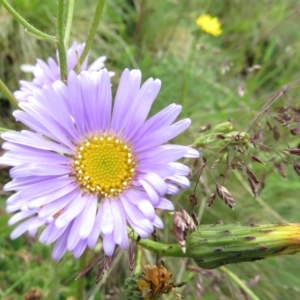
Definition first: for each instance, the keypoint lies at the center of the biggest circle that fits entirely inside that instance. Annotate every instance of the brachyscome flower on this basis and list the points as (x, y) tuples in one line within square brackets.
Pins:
[(45, 73), (87, 167), (209, 24)]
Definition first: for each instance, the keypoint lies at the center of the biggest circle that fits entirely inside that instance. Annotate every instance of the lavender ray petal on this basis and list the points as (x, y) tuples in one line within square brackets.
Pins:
[(88, 217), (127, 90), (104, 103), (160, 137), (106, 217), (156, 181), (79, 249), (161, 120), (109, 244), (182, 181), (55, 207), (150, 190), (141, 106), (60, 247), (158, 222), (20, 216), (181, 169), (71, 211), (51, 233), (165, 204), (119, 221), (39, 169)]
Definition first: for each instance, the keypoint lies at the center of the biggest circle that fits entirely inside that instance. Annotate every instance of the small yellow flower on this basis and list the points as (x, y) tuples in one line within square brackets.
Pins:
[(209, 24)]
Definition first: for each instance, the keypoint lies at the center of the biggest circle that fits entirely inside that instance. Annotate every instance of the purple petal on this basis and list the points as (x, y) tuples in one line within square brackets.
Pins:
[(150, 190), (72, 210), (156, 181), (20, 216), (39, 169), (51, 233), (161, 136), (141, 106), (60, 247), (127, 90), (79, 249), (54, 207), (88, 217), (119, 221), (108, 244), (161, 120), (165, 204), (21, 228), (105, 217)]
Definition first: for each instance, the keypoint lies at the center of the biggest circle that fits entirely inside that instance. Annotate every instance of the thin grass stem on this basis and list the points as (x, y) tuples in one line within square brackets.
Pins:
[(240, 283)]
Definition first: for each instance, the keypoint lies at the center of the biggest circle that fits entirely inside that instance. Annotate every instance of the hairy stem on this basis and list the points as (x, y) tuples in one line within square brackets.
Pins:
[(69, 23), (39, 34), (92, 32), (60, 36), (9, 95)]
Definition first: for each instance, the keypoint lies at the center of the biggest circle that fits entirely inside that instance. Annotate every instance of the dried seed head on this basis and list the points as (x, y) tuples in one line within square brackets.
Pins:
[(295, 131), (193, 200), (211, 199), (131, 254), (257, 159), (188, 219), (297, 169), (276, 132), (224, 195), (216, 163), (180, 236), (179, 221), (281, 168), (103, 267), (252, 176), (252, 186), (295, 151)]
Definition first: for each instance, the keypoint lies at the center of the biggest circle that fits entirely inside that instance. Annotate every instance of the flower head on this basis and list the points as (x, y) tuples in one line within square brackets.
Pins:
[(45, 73), (87, 167), (210, 24)]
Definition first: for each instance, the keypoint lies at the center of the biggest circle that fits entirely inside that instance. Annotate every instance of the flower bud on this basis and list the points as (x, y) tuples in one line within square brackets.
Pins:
[(212, 246)]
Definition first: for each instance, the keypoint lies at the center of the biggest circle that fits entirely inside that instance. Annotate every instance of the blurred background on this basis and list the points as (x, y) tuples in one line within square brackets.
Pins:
[(215, 79)]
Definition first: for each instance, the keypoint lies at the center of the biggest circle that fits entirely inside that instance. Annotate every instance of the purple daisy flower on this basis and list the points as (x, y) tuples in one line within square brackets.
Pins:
[(88, 167), (45, 73)]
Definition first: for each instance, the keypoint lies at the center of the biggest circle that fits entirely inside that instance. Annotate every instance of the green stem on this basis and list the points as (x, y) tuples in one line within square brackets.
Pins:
[(60, 45), (81, 281), (239, 282), (9, 95), (139, 256), (29, 27), (92, 32), (69, 23), (163, 249), (2, 130)]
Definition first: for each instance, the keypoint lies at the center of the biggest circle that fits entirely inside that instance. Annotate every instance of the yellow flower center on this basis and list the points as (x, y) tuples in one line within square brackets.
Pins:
[(104, 165)]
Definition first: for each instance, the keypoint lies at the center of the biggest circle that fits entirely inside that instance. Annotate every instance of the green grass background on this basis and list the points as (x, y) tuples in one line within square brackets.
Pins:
[(161, 38)]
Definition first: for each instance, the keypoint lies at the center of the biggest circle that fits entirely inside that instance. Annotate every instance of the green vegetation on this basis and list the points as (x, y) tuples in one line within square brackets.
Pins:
[(215, 79)]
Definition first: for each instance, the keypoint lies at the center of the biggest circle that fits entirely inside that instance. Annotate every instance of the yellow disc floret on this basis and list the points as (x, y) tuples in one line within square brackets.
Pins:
[(104, 164)]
